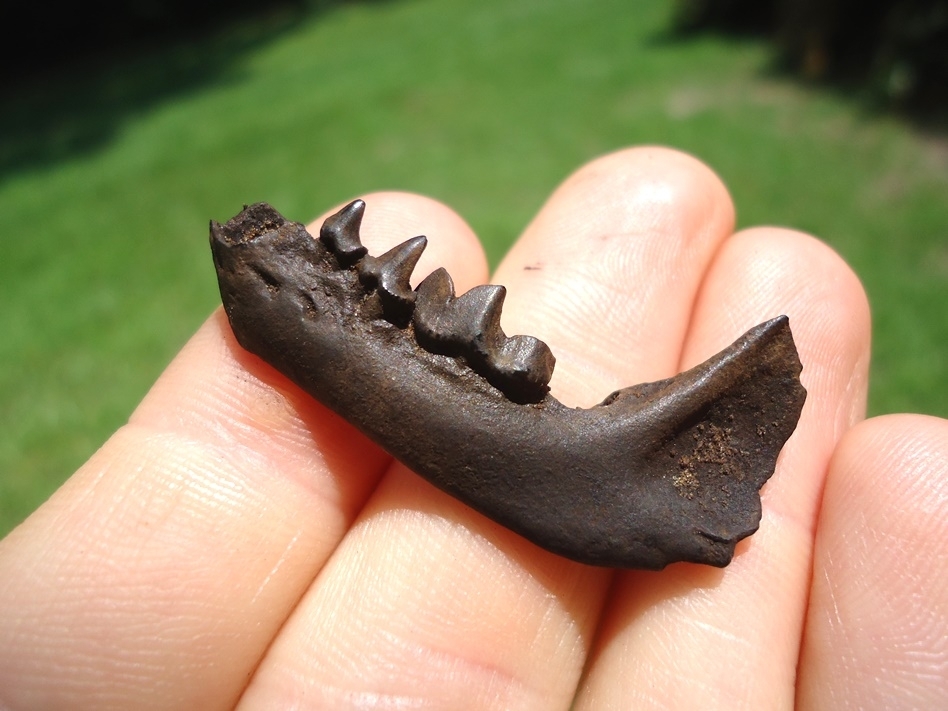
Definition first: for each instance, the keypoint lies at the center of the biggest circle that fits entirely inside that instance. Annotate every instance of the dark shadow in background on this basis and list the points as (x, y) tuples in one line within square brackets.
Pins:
[(80, 71), (886, 55)]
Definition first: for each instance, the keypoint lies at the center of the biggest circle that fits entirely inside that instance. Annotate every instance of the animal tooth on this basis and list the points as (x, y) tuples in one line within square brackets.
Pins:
[(432, 316), (390, 274), (522, 367), (476, 319), (340, 233), (468, 325)]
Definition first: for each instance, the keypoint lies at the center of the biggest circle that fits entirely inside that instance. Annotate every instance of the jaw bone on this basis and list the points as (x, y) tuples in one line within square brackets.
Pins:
[(657, 473)]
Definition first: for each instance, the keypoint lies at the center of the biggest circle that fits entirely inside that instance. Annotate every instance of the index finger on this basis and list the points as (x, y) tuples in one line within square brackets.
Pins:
[(158, 574)]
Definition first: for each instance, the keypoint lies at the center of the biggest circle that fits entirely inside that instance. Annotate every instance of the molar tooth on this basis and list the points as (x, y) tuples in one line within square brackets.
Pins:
[(433, 316), (522, 367), (476, 320), (436, 289), (340, 233), (469, 326)]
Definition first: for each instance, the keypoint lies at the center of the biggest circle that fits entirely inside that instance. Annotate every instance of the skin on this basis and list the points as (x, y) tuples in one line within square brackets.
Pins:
[(236, 545)]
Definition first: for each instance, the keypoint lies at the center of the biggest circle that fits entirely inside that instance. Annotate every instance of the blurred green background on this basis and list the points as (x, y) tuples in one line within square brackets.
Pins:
[(110, 170)]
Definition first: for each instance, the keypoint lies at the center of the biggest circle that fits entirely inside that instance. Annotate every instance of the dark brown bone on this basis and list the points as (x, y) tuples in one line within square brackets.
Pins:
[(660, 472)]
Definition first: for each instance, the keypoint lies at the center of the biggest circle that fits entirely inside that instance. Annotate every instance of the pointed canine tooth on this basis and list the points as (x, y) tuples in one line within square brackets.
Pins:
[(340, 232)]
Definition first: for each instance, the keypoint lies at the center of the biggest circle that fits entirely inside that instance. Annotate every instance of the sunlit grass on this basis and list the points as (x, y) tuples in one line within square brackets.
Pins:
[(111, 175)]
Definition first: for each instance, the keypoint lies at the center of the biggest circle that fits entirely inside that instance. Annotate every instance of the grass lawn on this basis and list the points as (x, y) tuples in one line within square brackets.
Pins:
[(109, 174)]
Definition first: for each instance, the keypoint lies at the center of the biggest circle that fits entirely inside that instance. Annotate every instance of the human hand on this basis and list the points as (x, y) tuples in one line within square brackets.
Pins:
[(237, 544)]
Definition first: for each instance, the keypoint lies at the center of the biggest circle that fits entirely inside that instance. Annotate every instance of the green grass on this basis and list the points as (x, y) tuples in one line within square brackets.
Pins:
[(109, 175)]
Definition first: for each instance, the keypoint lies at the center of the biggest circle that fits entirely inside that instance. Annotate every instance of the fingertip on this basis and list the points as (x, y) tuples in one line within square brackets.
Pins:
[(776, 264), (645, 190), (657, 174), (898, 464), (878, 614), (607, 272), (808, 269)]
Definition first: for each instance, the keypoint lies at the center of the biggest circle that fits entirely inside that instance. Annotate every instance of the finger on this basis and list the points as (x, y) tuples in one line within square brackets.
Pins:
[(877, 623), (732, 635), (427, 603), (608, 280), (157, 576)]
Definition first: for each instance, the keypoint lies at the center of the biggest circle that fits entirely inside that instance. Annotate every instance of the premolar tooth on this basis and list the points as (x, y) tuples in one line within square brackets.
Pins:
[(390, 274), (340, 233), (436, 289), (469, 326)]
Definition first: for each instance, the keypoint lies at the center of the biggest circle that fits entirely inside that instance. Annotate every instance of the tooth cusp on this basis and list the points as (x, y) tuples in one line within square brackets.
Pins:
[(389, 275), (340, 233), (524, 366), (469, 326), (433, 317), (466, 326), (476, 319)]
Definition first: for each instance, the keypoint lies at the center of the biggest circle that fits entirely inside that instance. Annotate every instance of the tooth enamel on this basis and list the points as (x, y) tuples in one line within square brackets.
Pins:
[(390, 274), (466, 326), (340, 233), (476, 319), (432, 317), (525, 365)]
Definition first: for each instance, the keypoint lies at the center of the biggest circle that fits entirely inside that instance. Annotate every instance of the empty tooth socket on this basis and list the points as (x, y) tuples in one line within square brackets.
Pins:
[(250, 223)]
